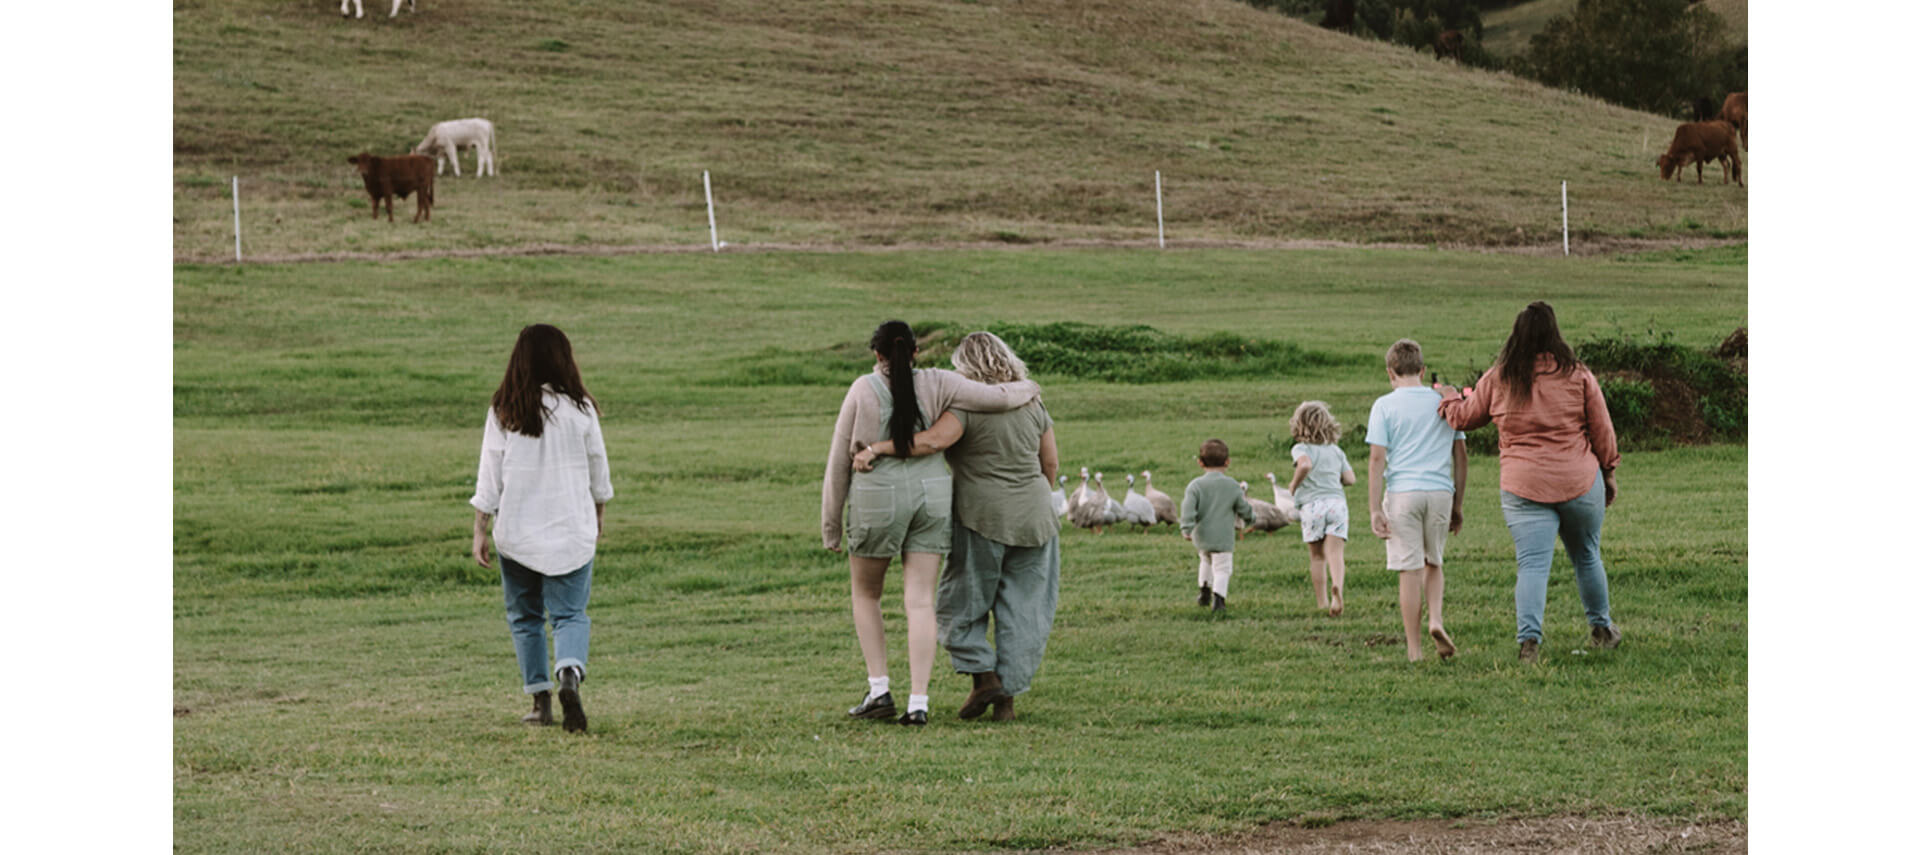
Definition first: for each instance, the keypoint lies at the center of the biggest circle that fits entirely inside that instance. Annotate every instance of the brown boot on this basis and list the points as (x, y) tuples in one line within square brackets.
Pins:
[(986, 692), (542, 709), (1003, 711)]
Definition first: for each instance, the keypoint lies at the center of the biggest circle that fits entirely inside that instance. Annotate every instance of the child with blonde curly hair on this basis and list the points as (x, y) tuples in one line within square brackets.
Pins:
[(1320, 474)]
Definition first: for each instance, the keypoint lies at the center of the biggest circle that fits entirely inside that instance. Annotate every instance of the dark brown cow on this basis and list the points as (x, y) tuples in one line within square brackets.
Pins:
[(1449, 44), (1735, 112), (1339, 15), (387, 177), (1697, 143)]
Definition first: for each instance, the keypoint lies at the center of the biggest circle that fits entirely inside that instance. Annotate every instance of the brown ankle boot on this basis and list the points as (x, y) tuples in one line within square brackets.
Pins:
[(542, 709), (986, 692), (1003, 710)]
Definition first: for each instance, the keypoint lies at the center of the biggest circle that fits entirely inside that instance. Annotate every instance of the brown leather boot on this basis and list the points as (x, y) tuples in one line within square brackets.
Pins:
[(542, 709), (986, 692), (1003, 711)]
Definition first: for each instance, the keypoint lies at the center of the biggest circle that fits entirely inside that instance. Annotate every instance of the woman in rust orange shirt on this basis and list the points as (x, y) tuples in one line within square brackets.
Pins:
[(1557, 456)]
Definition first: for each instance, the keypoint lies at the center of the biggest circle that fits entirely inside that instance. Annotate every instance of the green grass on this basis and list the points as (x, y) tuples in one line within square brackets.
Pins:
[(886, 122), (345, 681)]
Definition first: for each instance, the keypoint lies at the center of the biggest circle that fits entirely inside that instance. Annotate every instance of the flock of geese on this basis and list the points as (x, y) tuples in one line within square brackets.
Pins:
[(1091, 507)]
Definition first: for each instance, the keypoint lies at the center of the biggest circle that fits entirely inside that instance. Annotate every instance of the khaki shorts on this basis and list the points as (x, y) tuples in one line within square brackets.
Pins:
[(1417, 528), (891, 516)]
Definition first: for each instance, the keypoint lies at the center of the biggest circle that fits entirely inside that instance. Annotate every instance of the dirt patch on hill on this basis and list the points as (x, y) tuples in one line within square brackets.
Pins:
[(1590, 247), (1559, 835)]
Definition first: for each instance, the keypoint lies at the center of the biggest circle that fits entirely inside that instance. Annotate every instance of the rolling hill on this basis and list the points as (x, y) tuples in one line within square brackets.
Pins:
[(881, 122)]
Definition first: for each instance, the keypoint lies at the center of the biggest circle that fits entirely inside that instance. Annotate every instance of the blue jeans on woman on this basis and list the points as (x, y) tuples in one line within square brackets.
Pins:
[(533, 598), (1533, 526)]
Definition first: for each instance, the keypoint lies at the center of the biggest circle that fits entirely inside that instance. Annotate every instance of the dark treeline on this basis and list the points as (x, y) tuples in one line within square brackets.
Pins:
[(1662, 56)]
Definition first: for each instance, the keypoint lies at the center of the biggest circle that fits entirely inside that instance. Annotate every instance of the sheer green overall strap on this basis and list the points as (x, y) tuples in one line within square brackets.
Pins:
[(885, 395)]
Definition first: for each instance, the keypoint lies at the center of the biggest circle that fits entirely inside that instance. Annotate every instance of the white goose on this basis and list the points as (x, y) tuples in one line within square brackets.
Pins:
[(1060, 498), (1084, 509), (1111, 511), (1266, 517), (1138, 510), (1163, 510), (1283, 499)]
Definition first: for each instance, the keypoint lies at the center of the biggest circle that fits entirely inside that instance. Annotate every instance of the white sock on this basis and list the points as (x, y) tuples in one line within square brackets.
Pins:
[(876, 686), (916, 703)]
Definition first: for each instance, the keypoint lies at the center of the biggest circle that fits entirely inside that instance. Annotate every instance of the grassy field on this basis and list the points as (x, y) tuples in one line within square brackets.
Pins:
[(1507, 30), (343, 678), (879, 122)]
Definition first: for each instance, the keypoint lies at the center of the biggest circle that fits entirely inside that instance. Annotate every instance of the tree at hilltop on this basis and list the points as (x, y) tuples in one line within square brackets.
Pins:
[(1654, 55)]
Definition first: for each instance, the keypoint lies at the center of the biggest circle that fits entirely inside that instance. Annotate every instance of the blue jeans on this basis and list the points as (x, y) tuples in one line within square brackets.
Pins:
[(1533, 526), (532, 598)]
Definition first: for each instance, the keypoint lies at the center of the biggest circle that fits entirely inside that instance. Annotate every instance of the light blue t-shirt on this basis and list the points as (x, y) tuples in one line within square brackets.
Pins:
[(1323, 480), (1419, 443)]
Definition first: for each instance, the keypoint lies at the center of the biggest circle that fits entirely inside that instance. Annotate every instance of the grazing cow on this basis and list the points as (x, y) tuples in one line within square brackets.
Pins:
[(1339, 15), (445, 140), (360, 11), (1697, 143), (387, 177), (1449, 44), (1703, 110), (1735, 112)]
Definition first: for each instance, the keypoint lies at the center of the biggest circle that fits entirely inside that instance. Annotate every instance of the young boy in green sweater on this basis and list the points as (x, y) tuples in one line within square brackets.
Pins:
[(1207, 512)]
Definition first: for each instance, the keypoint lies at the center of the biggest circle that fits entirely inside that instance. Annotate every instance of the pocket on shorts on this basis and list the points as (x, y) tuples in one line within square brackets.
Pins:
[(939, 492), (872, 506)]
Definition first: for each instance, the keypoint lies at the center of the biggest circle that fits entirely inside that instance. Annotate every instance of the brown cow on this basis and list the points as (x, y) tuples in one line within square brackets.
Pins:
[(1449, 44), (387, 177), (1697, 143), (1735, 112)]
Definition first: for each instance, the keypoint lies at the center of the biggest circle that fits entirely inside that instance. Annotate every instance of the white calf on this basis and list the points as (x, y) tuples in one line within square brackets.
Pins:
[(445, 140), (360, 11)]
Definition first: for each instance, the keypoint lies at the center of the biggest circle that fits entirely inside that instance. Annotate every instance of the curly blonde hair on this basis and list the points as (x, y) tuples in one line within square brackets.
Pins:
[(984, 357), (1313, 424)]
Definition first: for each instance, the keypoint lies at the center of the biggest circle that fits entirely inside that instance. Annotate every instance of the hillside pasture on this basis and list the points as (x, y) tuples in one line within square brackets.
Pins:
[(889, 122), (343, 679)]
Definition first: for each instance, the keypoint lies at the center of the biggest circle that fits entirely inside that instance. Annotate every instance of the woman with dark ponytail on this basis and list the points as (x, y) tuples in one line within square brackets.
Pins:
[(903, 507), (544, 485)]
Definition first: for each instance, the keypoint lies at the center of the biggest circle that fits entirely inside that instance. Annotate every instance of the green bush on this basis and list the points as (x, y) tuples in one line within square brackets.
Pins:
[(1120, 354)]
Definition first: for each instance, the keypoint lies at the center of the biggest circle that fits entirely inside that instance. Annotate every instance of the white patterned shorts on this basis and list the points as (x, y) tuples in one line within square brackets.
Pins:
[(1322, 517)]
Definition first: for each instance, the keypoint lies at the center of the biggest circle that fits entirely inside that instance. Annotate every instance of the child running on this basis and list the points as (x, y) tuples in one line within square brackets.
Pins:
[(1207, 512), (1320, 475), (1422, 463)]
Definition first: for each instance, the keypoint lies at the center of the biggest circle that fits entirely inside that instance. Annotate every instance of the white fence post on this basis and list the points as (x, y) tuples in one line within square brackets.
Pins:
[(236, 219), (1566, 248), (713, 231), (1159, 210)]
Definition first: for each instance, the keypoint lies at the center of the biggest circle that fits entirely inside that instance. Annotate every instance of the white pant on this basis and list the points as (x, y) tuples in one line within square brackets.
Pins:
[(1215, 569)]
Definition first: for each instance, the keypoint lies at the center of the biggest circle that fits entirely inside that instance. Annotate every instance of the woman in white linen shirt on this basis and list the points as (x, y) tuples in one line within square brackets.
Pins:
[(544, 484)]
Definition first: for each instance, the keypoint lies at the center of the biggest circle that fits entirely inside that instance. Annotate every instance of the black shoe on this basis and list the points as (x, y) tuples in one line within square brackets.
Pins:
[(917, 718), (880, 706), (573, 716), (1219, 602), (1206, 595), (1530, 652), (542, 709)]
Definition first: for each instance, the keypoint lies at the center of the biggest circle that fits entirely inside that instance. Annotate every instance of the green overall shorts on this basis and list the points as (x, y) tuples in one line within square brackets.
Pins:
[(905, 504)]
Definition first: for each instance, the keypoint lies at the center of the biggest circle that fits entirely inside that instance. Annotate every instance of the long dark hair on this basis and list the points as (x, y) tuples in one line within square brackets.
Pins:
[(895, 343), (1535, 332), (542, 355)]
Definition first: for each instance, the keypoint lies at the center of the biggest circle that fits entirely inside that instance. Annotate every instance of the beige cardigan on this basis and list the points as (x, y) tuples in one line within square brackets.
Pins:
[(859, 425)]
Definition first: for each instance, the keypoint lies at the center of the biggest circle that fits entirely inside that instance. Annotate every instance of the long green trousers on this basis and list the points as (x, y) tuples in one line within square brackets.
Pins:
[(1018, 586)]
